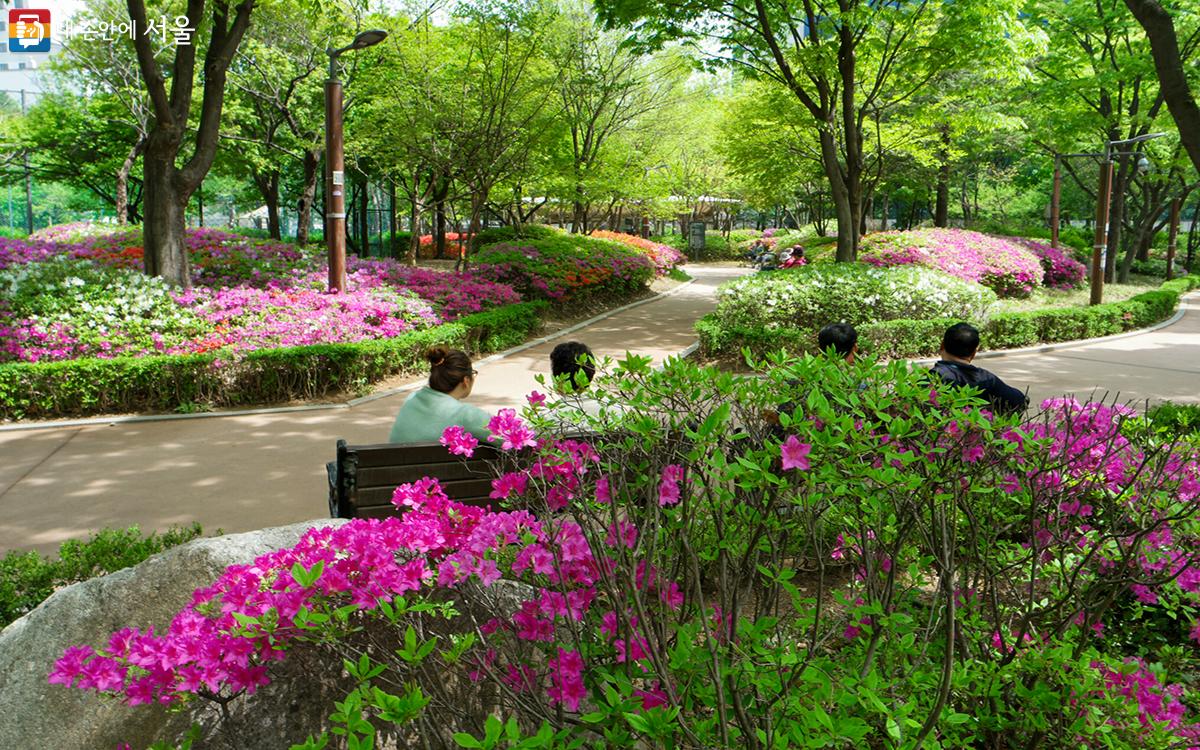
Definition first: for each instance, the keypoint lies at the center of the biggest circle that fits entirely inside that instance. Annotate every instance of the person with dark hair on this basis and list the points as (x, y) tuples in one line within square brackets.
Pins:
[(575, 362), (959, 345), (841, 337), (429, 411), (572, 367)]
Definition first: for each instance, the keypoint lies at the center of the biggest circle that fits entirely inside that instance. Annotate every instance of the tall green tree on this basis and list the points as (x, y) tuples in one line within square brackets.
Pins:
[(168, 184), (841, 60), (1169, 58)]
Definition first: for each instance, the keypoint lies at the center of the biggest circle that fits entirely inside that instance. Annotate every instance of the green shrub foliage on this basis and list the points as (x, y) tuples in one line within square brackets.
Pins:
[(42, 390), (27, 578), (723, 334)]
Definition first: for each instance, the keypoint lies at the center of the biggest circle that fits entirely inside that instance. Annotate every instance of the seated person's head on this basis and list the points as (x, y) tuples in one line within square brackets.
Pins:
[(961, 340), (450, 371), (574, 361), (841, 337)]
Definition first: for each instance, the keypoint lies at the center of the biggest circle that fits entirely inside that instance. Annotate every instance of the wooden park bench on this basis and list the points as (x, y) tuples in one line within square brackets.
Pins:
[(364, 477)]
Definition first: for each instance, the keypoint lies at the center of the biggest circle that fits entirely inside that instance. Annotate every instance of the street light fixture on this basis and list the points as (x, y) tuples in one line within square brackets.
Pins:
[(1103, 198), (335, 164)]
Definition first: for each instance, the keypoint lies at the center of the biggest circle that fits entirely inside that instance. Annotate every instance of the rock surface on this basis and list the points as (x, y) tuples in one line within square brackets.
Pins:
[(36, 714)]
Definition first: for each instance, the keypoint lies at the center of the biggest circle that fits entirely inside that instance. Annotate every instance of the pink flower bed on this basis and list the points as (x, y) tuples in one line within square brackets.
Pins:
[(247, 295), (1060, 270), (1007, 267), (664, 257)]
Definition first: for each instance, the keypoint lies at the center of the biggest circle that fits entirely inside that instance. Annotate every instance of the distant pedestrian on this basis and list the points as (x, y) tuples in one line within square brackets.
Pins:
[(959, 345)]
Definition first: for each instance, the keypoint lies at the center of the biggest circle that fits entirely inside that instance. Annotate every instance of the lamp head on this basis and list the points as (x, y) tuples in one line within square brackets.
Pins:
[(1143, 164), (368, 38)]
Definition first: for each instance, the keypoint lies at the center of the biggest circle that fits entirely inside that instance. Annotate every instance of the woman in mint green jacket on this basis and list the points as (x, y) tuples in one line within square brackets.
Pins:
[(429, 411)]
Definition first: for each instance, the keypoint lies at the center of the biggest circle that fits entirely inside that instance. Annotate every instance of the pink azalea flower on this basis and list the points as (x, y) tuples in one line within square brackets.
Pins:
[(510, 431), (795, 453), (459, 441)]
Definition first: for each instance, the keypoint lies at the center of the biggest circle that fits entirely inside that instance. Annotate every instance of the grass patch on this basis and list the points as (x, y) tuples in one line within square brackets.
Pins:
[(1043, 298)]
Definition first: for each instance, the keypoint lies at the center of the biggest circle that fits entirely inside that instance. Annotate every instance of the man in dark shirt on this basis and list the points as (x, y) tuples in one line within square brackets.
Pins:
[(959, 345)]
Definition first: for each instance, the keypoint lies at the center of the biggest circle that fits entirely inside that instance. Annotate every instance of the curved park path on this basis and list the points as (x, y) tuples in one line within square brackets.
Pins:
[(255, 470), (251, 471)]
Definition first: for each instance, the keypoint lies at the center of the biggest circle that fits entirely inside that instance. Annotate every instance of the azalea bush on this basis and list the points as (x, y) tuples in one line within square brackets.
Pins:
[(812, 296), (664, 257), (79, 292), (565, 267), (883, 564), (1007, 267), (1059, 269)]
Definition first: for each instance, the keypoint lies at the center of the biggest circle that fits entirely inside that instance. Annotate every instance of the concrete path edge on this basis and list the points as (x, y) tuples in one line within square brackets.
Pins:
[(1042, 348)]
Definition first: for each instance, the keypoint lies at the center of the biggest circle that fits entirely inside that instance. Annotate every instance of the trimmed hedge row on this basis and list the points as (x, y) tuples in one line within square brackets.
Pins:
[(43, 390), (921, 338)]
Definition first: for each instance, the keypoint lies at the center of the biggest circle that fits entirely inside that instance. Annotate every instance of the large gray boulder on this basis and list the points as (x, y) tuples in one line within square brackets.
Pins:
[(35, 714)]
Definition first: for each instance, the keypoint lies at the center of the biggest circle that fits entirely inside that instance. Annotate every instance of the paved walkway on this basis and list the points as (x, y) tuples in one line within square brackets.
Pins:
[(246, 472), (1155, 366)]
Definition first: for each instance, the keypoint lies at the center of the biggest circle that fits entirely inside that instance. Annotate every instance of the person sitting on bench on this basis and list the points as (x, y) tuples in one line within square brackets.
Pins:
[(572, 365), (959, 345), (429, 411)]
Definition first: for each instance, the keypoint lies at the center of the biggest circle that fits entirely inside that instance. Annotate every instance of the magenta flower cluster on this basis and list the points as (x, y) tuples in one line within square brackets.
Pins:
[(212, 645), (1007, 267), (1059, 269), (247, 295)]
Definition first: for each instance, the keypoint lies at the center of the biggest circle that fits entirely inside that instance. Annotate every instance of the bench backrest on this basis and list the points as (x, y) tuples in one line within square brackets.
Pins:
[(364, 477)]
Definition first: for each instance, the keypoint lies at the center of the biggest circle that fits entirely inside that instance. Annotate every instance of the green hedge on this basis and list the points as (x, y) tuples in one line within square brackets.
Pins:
[(47, 390), (921, 338)]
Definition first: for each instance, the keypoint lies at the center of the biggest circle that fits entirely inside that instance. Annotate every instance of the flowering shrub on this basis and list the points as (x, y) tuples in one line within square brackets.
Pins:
[(64, 308), (84, 295), (810, 297), (664, 257), (888, 566), (1059, 269), (1009, 268), (565, 267)]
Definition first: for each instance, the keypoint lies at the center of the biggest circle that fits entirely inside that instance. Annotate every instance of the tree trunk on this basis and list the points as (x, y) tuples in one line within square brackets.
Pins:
[(477, 202), (312, 160), (441, 192), (847, 227), (965, 203), (122, 202), (941, 211), (1193, 238), (163, 227), (883, 222), (268, 188), (364, 220), (1145, 232), (1164, 48), (414, 222), (163, 234)]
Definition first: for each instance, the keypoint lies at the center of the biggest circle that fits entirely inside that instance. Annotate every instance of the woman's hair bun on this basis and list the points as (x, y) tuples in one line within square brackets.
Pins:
[(437, 355)]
